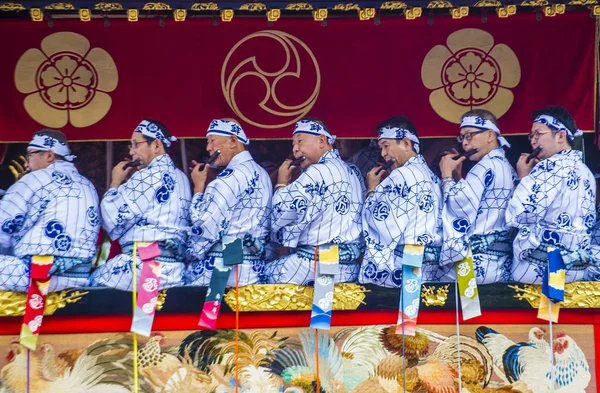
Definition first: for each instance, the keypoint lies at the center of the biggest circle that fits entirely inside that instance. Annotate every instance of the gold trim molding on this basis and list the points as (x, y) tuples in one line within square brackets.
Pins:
[(299, 7), (12, 7), (439, 4), (534, 3), (12, 304), (106, 6), (488, 3), (577, 294), (290, 297), (432, 297), (393, 5), (204, 7), (253, 7), (156, 7), (60, 7), (346, 7)]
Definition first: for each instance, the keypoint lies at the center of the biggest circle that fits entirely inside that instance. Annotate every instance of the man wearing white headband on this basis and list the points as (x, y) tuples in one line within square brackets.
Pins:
[(322, 207), (402, 206), (554, 203), (474, 207), (52, 210), (236, 204), (146, 202)]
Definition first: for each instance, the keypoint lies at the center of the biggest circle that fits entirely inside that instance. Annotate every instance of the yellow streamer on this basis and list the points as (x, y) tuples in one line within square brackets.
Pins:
[(135, 343)]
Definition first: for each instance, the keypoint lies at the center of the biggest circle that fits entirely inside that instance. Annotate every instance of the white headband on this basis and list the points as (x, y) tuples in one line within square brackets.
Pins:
[(313, 128), (45, 143), (226, 127), (152, 130), (483, 124), (553, 122), (399, 133)]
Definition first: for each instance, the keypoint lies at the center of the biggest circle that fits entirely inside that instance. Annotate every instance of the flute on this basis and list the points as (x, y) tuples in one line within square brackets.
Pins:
[(297, 161), (536, 152), (466, 154), (132, 164), (213, 158), (386, 166)]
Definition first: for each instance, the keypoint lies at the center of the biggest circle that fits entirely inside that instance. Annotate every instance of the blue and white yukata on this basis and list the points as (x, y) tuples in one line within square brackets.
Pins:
[(405, 209), (322, 207), (474, 214), (553, 206), (153, 205), (236, 204), (50, 211)]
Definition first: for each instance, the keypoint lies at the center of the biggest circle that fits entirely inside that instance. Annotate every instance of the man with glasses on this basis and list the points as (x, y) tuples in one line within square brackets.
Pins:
[(554, 203), (51, 211), (474, 207), (148, 202)]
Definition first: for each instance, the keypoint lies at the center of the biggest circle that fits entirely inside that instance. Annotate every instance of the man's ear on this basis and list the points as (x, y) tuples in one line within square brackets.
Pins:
[(51, 156)]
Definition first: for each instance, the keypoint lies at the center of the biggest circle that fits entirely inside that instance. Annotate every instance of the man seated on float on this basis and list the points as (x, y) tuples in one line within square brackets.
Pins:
[(402, 207), (474, 209), (146, 203), (52, 210), (554, 203), (322, 207), (236, 204)]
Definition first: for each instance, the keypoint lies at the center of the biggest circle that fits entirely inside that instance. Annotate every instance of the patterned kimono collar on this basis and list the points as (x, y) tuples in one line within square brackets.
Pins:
[(572, 154), (60, 163), (163, 159), (329, 155), (418, 159), (239, 158), (497, 152)]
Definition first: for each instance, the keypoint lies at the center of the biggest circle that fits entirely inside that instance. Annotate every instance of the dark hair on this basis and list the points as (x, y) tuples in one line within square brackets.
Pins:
[(483, 113), (560, 113), (164, 130), (400, 122), (56, 134)]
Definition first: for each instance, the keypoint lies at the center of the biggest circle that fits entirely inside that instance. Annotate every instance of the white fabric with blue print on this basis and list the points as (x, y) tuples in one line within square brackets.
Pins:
[(553, 205), (476, 206), (313, 128), (152, 130), (46, 142), (405, 209), (399, 133), (153, 205), (322, 206), (227, 128), (556, 124), (236, 204), (483, 124), (51, 211)]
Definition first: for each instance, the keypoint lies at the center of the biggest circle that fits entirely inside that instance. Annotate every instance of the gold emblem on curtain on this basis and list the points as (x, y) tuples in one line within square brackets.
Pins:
[(471, 71), (296, 63), (66, 81)]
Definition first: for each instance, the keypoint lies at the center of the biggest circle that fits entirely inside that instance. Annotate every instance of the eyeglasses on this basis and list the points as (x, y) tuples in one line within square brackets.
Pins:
[(30, 153), (536, 135), (135, 144), (467, 136)]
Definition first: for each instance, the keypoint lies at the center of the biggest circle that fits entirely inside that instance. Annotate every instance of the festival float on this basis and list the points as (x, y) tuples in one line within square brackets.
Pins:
[(94, 69)]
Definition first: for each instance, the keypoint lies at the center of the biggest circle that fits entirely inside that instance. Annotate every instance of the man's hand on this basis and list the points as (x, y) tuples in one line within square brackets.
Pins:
[(450, 167), (284, 173), (199, 176), (373, 179), (120, 175), (523, 168)]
